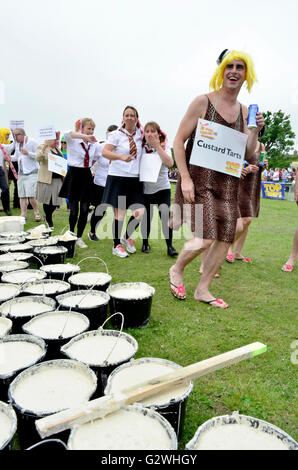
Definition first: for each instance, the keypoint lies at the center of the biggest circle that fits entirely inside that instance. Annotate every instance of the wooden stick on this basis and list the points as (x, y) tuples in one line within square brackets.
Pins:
[(102, 406)]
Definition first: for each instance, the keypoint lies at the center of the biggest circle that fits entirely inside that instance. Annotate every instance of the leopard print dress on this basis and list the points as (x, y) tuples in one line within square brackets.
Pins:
[(216, 193)]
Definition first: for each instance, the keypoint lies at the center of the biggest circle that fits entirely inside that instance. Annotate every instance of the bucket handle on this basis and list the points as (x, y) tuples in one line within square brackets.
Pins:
[(45, 441), (94, 257), (62, 231), (100, 329), (38, 259), (66, 321)]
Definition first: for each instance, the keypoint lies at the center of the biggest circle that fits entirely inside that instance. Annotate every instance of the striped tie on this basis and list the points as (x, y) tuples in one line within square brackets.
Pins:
[(132, 144)]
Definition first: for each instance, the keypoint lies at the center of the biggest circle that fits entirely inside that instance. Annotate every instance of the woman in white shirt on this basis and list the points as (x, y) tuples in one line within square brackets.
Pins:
[(123, 189), (82, 150), (99, 182), (157, 193)]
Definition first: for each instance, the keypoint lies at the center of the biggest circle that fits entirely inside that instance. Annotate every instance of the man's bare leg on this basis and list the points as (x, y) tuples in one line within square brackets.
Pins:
[(216, 255), (34, 205), (191, 249), (204, 255), (24, 205), (241, 239), (293, 256)]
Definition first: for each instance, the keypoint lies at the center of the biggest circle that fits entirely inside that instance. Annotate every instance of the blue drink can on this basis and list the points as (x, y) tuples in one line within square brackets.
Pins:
[(251, 120)]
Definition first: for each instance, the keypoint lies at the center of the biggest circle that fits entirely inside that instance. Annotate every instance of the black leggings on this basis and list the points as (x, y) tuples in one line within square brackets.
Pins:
[(162, 199), (49, 209), (74, 216)]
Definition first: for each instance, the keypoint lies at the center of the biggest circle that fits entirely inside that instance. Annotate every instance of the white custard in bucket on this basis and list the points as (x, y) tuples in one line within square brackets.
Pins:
[(126, 429), (53, 387), (47, 287), (90, 278), (18, 256), (52, 250), (5, 427), (137, 373), (237, 437), (5, 326), (131, 291), (51, 325), (15, 355), (12, 266), (85, 300), (23, 275), (26, 307), (44, 241), (17, 247), (94, 350), (8, 291), (60, 268)]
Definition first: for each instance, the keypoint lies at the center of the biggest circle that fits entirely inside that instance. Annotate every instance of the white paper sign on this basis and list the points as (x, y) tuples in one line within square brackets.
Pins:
[(46, 133), (57, 164), (150, 166), (16, 125), (218, 148)]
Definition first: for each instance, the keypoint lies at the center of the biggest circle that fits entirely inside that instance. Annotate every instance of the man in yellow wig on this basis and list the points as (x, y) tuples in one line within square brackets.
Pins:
[(213, 191)]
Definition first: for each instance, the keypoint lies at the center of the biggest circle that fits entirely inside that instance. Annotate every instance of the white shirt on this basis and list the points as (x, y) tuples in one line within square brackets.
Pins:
[(121, 143), (162, 180), (76, 153), (27, 163), (102, 170)]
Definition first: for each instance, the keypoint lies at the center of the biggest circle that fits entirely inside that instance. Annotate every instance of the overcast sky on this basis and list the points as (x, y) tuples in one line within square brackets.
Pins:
[(66, 59)]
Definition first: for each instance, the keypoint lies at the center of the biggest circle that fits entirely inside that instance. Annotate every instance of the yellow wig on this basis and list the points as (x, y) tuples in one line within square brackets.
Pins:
[(217, 79), (3, 133)]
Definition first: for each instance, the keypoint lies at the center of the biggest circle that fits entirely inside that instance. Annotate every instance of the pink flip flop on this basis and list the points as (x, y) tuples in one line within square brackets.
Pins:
[(287, 268), (230, 258)]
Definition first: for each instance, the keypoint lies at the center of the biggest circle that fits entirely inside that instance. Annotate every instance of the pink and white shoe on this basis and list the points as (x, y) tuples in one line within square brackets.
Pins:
[(119, 251), (129, 244)]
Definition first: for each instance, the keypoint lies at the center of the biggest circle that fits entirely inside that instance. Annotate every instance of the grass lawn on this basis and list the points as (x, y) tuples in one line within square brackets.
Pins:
[(263, 307)]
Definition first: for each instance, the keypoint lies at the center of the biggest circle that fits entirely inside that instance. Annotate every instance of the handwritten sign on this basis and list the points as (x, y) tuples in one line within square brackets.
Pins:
[(150, 166), (57, 164), (273, 190), (218, 148), (46, 133), (16, 125)]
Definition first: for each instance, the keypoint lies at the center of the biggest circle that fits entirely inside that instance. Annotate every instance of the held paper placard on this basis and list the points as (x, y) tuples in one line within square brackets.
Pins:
[(46, 133), (218, 148), (150, 166), (16, 124), (57, 164)]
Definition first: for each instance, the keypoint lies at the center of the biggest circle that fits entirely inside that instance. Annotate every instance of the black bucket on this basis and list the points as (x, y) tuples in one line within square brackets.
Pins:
[(135, 308), (117, 432), (8, 412), (56, 328), (49, 445), (46, 287), (49, 386), (8, 291), (51, 255), (172, 409), (70, 245), (93, 304), (95, 340), (9, 372), (88, 280), (14, 309), (22, 276), (23, 247), (62, 272)]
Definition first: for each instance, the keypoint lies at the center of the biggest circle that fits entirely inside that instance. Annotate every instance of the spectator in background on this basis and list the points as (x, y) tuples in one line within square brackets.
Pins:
[(275, 178), (4, 139), (289, 266)]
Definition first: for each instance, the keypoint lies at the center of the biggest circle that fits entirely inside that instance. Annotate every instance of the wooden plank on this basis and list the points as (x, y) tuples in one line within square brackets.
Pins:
[(102, 406)]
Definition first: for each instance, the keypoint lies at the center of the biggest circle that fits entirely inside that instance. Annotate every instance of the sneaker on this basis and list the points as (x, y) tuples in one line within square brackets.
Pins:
[(68, 232), (93, 237), (81, 244), (119, 251), (128, 243)]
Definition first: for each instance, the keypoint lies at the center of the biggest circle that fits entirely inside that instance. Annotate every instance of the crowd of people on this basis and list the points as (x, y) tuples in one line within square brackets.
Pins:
[(130, 170), (279, 175)]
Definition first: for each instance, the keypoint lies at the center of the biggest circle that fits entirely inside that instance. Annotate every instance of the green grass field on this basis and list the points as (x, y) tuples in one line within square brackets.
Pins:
[(263, 307)]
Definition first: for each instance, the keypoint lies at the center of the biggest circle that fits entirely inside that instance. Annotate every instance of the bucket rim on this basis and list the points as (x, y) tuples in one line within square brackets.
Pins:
[(57, 248), (26, 338), (24, 265), (47, 268), (8, 410), (10, 325), (158, 360), (236, 418), (25, 271), (33, 298), (72, 281), (10, 284), (54, 312), (67, 363), (84, 292), (130, 339), (129, 284), (136, 407)]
